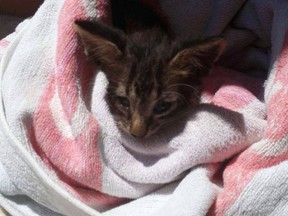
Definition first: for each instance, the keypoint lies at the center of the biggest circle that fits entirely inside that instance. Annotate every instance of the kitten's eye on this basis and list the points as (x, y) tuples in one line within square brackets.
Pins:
[(162, 106), (124, 101)]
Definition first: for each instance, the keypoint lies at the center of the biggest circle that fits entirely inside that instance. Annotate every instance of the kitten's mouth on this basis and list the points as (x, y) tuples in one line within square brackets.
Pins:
[(147, 133), (139, 134)]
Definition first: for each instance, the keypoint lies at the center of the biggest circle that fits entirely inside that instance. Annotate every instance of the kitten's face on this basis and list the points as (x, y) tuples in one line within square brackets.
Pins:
[(141, 114), (152, 80), (142, 102)]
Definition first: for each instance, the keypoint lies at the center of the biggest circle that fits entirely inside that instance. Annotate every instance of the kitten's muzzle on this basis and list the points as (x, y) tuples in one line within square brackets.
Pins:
[(138, 131), (138, 127)]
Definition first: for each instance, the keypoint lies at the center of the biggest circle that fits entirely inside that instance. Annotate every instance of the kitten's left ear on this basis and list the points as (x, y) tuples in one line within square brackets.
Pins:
[(197, 59), (103, 44)]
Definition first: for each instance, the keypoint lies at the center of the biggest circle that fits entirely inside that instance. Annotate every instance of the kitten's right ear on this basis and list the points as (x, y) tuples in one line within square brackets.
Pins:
[(198, 58), (103, 44)]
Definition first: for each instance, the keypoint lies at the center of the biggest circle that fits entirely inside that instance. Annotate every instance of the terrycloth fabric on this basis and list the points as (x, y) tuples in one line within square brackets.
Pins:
[(62, 154)]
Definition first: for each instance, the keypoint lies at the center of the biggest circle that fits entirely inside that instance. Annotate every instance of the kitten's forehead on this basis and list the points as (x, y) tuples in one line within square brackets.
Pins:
[(146, 58), (145, 91), (144, 80)]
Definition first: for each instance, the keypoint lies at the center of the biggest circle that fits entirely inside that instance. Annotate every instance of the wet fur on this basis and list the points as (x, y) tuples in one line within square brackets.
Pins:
[(148, 67)]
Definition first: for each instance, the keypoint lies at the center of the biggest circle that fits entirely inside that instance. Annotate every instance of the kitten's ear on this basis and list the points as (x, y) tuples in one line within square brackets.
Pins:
[(197, 59), (103, 44)]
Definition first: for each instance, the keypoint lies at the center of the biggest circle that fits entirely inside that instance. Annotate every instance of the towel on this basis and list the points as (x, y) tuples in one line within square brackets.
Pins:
[(62, 153)]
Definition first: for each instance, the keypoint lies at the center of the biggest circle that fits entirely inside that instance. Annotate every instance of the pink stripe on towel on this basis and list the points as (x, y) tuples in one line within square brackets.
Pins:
[(65, 132)]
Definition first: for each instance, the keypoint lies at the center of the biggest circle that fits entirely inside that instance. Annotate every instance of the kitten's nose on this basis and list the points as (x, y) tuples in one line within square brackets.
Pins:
[(138, 127), (138, 132)]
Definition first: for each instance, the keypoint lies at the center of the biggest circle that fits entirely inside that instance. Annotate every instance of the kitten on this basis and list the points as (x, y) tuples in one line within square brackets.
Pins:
[(152, 78)]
